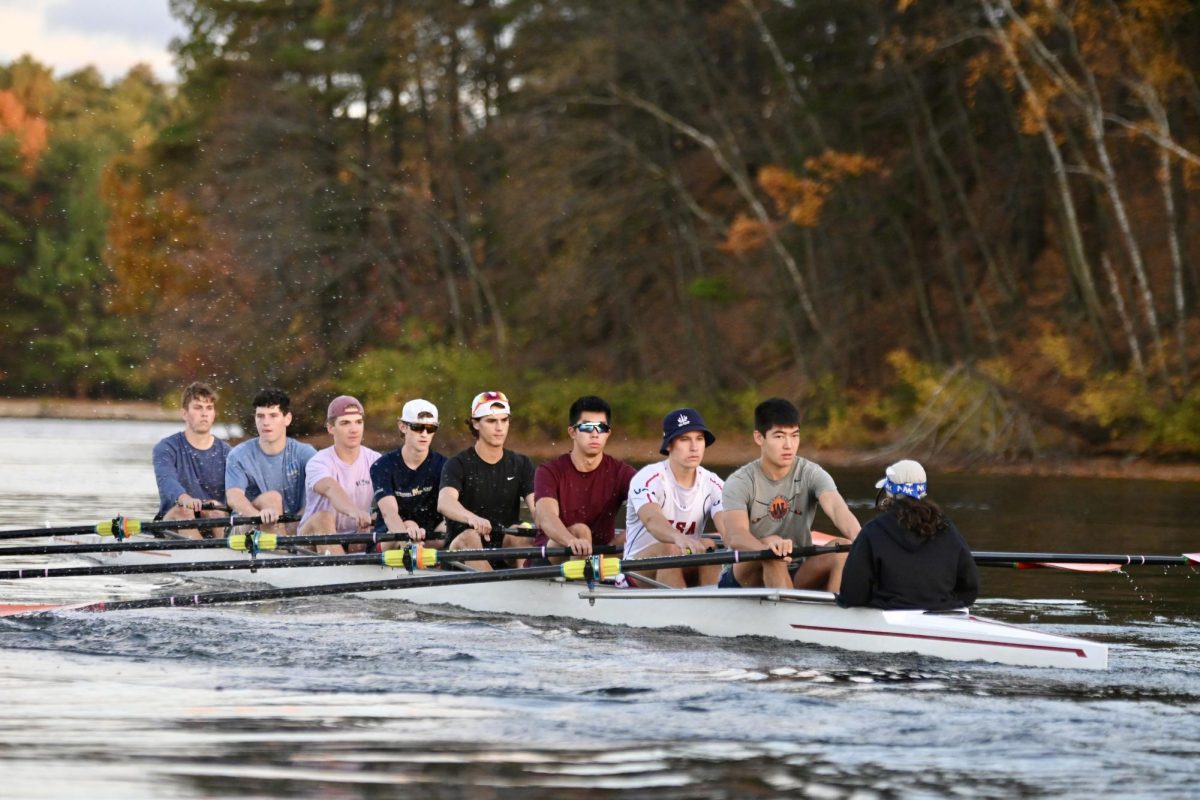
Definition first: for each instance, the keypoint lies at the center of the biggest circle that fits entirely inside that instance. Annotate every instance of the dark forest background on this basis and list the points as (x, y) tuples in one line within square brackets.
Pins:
[(948, 226)]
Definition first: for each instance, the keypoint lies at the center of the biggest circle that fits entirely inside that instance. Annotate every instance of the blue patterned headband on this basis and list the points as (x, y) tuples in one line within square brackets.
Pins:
[(913, 490)]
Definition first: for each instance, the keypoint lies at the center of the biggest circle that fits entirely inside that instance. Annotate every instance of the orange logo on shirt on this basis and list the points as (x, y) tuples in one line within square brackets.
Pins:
[(779, 507)]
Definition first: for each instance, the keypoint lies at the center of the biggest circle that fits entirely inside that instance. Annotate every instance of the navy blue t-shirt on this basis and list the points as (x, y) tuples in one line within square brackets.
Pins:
[(415, 490), (179, 468)]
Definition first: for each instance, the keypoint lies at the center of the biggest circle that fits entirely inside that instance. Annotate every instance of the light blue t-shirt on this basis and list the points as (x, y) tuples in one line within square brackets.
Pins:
[(250, 469)]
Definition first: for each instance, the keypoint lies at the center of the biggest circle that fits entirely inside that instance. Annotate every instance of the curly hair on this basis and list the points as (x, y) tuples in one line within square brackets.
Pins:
[(922, 517)]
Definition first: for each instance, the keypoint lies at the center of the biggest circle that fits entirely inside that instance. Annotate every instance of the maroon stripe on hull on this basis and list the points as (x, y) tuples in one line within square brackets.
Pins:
[(1077, 651)]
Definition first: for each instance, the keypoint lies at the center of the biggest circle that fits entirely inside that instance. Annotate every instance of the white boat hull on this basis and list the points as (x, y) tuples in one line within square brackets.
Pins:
[(806, 617)]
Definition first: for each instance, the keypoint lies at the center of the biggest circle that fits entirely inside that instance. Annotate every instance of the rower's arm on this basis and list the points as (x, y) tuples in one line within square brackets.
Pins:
[(839, 514), (738, 536), (660, 527), (450, 507), (236, 499), (546, 516), (166, 474), (389, 509), (737, 531), (337, 497)]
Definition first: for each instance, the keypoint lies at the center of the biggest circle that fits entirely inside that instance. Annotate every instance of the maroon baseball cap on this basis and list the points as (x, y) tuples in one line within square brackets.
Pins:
[(343, 404)]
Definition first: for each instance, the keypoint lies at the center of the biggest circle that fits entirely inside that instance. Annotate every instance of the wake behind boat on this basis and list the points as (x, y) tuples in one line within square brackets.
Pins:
[(804, 617)]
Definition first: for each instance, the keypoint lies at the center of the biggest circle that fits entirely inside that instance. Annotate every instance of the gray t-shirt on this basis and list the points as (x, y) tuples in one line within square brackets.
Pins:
[(783, 508), (250, 469)]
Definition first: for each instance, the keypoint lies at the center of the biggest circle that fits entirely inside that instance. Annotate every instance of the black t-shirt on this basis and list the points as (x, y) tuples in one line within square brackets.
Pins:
[(415, 490), (492, 491)]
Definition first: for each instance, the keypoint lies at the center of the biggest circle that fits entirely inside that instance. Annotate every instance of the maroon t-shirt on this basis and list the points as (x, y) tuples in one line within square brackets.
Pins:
[(592, 498)]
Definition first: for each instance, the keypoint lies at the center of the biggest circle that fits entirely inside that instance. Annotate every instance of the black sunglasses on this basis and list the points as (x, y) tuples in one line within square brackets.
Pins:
[(420, 427), (593, 427)]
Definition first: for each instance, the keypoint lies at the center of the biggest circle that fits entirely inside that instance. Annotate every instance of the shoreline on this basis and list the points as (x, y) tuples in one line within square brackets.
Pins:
[(68, 408), (725, 451)]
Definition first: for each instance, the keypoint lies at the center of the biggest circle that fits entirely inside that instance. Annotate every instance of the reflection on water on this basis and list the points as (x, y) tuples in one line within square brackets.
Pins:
[(363, 698)]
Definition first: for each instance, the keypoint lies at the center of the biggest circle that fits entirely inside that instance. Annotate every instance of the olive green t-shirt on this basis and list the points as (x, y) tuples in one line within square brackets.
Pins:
[(783, 508)]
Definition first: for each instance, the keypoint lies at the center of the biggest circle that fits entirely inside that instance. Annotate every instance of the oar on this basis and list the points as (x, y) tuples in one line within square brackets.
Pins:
[(122, 527), (255, 541), (1106, 561), (407, 558), (591, 569), (1072, 562)]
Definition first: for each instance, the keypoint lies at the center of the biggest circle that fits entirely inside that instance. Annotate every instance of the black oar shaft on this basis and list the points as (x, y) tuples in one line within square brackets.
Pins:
[(197, 544), (215, 598), (202, 523), (990, 557), (280, 562), (424, 581)]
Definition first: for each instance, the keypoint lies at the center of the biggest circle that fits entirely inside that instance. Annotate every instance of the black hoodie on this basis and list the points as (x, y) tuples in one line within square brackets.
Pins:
[(891, 567)]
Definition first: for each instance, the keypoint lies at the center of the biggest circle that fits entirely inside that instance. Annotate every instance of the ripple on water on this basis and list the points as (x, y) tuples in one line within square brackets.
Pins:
[(361, 697)]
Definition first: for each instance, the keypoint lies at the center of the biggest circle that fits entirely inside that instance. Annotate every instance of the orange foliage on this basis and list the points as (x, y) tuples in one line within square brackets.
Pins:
[(801, 199), (745, 235), (153, 247), (30, 131)]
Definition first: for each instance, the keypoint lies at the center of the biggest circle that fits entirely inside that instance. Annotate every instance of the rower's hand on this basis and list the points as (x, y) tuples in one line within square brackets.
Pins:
[(687, 544), (268, 516), (482, 526), (363, 518), (415, 532), (694, 544), (194, 504), (780, 547), (580, 547)]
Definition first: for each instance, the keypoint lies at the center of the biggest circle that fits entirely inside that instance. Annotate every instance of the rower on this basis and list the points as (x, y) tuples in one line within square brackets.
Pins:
[(484, 486), (337, 480), (671, 502), (577, 495), (770, 504), (189, 466), (911, 555), (264, 476), (406, 480)]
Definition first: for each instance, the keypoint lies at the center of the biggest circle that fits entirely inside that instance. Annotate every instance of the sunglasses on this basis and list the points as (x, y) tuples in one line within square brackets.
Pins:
[(593, 427), (420, 427)]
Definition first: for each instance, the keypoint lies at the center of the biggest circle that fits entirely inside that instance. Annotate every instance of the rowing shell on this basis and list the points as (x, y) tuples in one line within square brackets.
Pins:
[(806, 617)]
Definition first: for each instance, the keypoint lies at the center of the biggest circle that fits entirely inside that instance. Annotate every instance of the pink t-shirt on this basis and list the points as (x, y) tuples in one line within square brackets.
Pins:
[(593, 498), (355, 480)]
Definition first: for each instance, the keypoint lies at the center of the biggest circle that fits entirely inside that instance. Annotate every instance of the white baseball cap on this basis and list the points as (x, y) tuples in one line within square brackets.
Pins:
[(487, 403), (905, 477), (413, 410)]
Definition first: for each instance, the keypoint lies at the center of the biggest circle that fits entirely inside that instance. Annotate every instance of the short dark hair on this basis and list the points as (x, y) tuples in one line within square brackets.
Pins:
[(197, 390), (273, 397), (775, 413), (589, 402)]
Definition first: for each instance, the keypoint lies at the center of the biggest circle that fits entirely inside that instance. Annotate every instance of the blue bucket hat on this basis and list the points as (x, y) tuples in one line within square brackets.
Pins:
[(681, 421)]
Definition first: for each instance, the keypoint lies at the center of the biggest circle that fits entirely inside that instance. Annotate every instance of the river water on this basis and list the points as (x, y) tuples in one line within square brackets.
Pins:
[(360, 698)]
